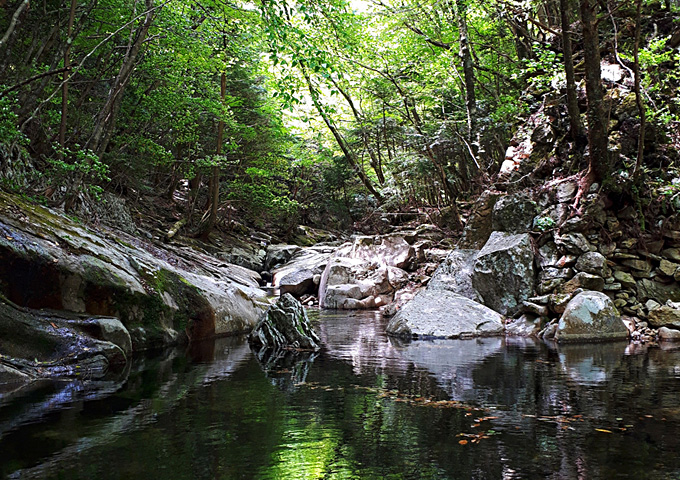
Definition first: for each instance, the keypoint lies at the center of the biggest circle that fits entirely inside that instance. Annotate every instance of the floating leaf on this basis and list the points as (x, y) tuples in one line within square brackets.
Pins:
[(603, 430), (463, 442)]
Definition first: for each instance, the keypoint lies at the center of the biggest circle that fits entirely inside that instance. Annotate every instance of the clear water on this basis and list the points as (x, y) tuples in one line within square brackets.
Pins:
[(365, 407)]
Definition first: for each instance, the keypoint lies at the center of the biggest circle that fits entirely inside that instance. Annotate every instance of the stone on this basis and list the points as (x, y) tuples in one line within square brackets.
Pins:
[(628, 243), (566, 191), (612, 287), (568, 261), (575, 243), (444, 314), (643, 266), (625, 278), (647, 289), (651, 305), (592, 262), (298, 283), (504, 273), (585, 281), (590, 317), (109, 329), (514, 213), (672, 254), (668, 268), (284, 326), (559, 301), (669, 334), (664, 316), (479, 226), (161, 293), (278, 255), (545, 287), (455, 274), (607, 249), (535, 309), (525, 326), (548, 255)]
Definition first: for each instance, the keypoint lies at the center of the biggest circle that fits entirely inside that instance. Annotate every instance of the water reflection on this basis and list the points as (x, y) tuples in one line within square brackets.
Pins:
[(366, 406)]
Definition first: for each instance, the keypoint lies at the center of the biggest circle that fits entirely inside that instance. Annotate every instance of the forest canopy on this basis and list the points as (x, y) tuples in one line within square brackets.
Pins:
[(280, 112)]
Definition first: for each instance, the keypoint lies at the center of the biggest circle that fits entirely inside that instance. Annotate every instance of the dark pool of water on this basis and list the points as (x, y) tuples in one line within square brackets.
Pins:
[(365, 407)]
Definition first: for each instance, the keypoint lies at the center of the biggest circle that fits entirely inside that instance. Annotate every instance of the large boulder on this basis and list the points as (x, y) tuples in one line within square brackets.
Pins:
[(504, 272), (650, 289), (664, 316), (279, 254), (514, 213), (285, 325), (455, 274), (162, 294), (444, 314), (302, 272), (36, 344), (590, 317)]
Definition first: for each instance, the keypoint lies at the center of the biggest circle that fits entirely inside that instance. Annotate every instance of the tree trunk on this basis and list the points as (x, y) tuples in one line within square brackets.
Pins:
[(338, 137), (214, 190), (106, 120), (64, 88), (575, 126), (599, 164), (468, 68), (638, 94)]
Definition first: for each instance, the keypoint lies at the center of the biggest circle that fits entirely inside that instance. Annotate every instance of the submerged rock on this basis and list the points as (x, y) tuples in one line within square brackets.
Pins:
[(285, 325), (590, 317), (444, 314)]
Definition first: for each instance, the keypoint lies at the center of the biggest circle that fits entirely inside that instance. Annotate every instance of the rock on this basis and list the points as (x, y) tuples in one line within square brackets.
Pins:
[(647, 289), (592, 262), (548, 255), (590, 317), (285, 325), (298, 283), (305, 260), (525, 326), (643, 266), (585, 281), (390, 250), (672, 254), (607, 249), (278, 255), (455, 274), (651, 305), (40, 344), (478, 228), (669, 334), (444, 314), (566, 191), (108, 329), (626, 279), (535, 309), (664, 316), (503, 274), (559, 301), (668, 268), (514, 213), (574, 243), (161, 293), (549, 331)]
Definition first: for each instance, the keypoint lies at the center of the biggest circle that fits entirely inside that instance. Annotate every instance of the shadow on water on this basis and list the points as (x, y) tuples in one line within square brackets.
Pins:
[(366, 406)]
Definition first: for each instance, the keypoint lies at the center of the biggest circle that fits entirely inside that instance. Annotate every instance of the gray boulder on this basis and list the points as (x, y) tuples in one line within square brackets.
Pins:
[(514, 213), (504, 272), (479, 226), (660, 292), (590, 317), (285, 325), (455, 274), (664, 316), (444, 314), (298, 283), (279, 254)]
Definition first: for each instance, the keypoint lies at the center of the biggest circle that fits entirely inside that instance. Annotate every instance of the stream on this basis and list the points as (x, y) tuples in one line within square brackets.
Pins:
[(366, 406)]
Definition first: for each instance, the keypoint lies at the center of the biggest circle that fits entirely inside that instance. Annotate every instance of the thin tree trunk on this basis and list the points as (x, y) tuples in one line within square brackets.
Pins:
[(575, 126), (106, 120), (64, 88), (214, 189), (638, 95), (468, 68), (598, 135)]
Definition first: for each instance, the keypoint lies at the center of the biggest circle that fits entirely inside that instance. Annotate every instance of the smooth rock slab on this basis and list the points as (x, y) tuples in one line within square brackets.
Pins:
[(590, 317), (444, 314)]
